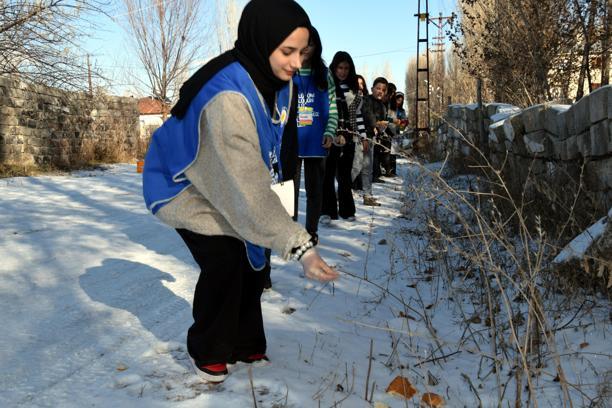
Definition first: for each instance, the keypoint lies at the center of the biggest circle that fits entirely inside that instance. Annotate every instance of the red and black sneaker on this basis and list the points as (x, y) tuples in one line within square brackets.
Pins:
[(257, 359), (212, 373)]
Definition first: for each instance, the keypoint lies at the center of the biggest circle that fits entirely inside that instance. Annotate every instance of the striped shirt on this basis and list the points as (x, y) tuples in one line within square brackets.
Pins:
[(332, 121), (361, 129)]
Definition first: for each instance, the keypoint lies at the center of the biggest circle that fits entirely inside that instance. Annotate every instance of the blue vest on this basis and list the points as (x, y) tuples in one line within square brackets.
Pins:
[(174, 146), (312, 116)]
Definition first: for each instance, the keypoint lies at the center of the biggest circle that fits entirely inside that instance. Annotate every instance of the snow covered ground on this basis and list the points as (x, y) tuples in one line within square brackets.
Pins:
[(95, 299)]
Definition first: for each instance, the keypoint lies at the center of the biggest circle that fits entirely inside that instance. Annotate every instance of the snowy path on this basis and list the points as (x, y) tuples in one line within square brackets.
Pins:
[(96, 294), (95, 298)]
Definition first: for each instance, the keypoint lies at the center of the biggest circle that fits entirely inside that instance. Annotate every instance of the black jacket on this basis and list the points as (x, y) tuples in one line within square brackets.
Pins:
[(373, 111)]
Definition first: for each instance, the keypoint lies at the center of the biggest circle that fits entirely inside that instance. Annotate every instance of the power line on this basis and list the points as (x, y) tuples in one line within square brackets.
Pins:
[(113, 17), (386, 52)]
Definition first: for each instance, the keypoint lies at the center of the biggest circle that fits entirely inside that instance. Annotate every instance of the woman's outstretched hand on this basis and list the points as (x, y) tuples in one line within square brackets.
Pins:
[(316, 268)]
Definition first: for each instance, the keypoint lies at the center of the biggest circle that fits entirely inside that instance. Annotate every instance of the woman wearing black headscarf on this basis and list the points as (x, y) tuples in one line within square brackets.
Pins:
[(208, 174)]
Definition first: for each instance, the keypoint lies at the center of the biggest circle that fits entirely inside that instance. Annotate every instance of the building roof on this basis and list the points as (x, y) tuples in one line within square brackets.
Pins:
[(151, 106)]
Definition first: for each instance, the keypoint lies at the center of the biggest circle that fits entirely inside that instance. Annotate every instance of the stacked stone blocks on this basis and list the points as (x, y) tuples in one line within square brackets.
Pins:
[(542, 141), (41, 125)]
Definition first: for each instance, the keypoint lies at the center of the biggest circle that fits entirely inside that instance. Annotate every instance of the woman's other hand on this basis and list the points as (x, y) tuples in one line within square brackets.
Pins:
[(327, 142), (340, 140), (382, 125)]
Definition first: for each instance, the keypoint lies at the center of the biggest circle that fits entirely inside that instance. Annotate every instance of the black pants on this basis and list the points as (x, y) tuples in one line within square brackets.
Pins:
[(385, 155), (393, 164), (376, 173), (314, 171), (382, 157), (228, 324), (338, 166)]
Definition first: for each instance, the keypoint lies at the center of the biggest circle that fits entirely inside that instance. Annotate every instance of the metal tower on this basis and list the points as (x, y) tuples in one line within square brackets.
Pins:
[(421, 125)]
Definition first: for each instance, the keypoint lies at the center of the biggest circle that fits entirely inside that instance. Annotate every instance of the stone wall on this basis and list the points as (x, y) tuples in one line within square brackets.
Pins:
[(41, 125), (555, 145)]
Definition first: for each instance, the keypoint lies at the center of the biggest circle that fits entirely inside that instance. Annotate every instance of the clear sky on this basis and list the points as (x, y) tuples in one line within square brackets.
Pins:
[(380, 35), (374, 32)]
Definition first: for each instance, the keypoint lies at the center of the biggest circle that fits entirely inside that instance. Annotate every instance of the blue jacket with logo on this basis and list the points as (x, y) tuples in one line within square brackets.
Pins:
[(174, 146), (312, 116)]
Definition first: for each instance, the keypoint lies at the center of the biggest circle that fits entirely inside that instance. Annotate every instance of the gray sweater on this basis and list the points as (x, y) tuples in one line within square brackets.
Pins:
[(230, 192)]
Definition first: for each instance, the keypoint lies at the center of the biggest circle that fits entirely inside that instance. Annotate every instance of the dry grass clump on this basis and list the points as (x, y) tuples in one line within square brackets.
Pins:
[(88, 152), (142, 145), (23, 170), (503, 275), (488, 235)]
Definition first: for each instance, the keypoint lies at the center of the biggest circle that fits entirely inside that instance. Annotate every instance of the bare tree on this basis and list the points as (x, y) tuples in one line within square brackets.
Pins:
[(449, 81), (228, 15), (387, 71), (522, 48), (164, 37), (364, 71), (605, 42), (39, 41), (587, 23)]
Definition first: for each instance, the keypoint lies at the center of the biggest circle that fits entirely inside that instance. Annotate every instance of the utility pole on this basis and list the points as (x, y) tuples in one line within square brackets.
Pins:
[(440, 22), (421, 126), (439, 49)]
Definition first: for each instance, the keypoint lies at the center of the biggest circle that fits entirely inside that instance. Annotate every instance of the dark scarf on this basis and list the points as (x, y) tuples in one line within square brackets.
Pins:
[(342, 106), (264, 24)]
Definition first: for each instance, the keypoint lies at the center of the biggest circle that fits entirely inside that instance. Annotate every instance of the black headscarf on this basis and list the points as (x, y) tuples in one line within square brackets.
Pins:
[(317, 64), (264, 24)]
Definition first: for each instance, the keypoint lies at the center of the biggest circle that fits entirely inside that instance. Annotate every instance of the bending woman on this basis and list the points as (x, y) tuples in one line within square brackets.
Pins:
[(208, 174)]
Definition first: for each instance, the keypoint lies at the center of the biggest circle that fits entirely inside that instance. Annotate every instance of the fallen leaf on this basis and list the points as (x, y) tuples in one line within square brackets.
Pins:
[(121, 367), (401, 387), (431, 400), (583, 345)]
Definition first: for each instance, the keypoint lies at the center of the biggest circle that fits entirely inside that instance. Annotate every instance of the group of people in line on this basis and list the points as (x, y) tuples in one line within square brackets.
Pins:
[(245, 124), (344, 134)]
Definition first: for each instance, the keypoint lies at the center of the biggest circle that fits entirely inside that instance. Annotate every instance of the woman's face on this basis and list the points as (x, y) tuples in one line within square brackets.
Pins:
[(286, 59), (361, 84), (307, 54), (342, 70)]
